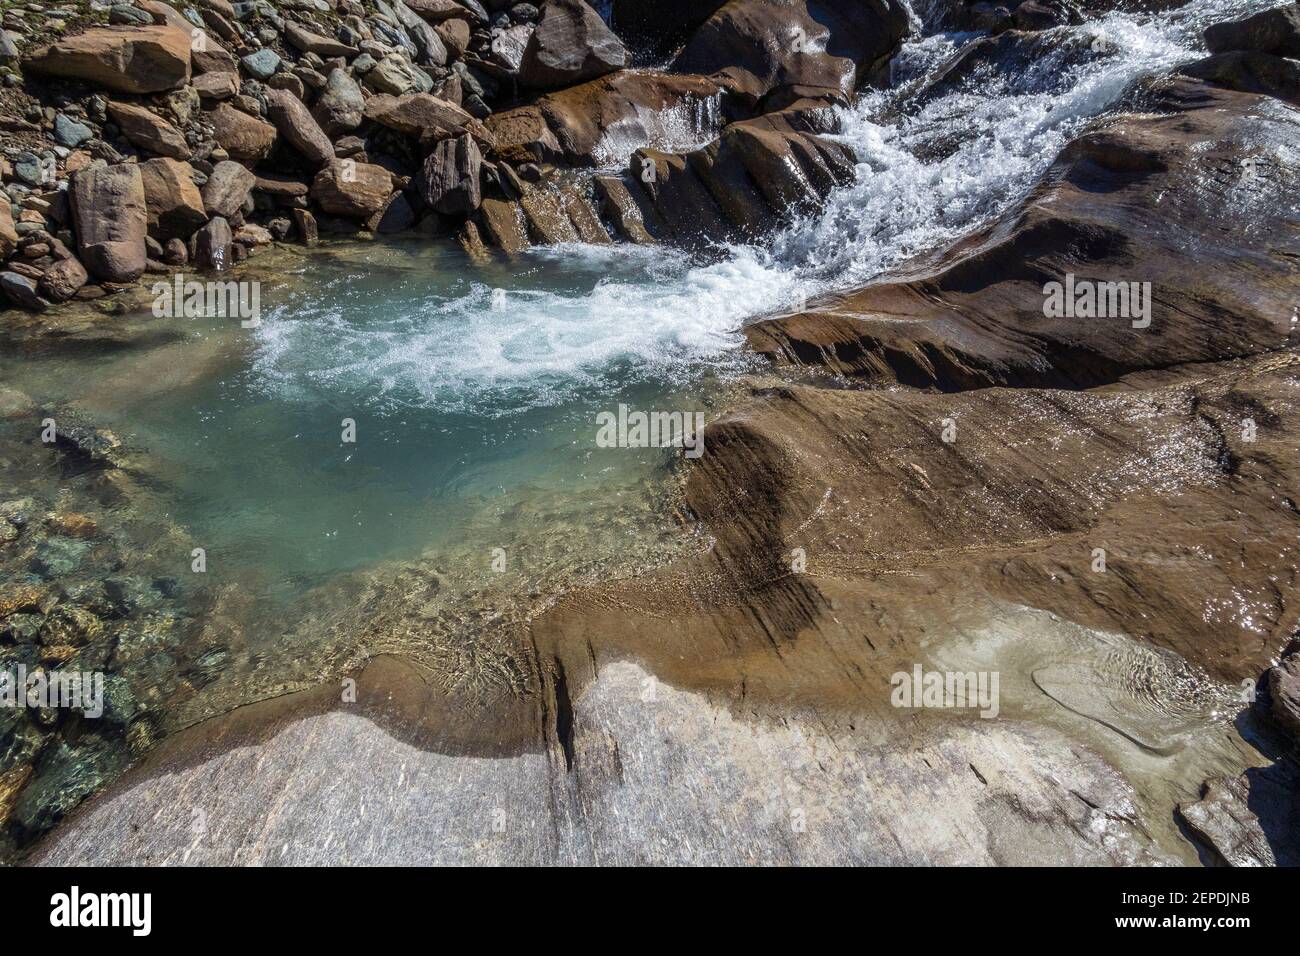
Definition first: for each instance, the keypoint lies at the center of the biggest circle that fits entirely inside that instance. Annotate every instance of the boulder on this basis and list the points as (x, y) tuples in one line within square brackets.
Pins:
[(296, 124), (262, 64), (755, 47), (1275, 31), (449, 180), (1250, 72), (341, 106), (242, 136), (174, 204), (308, 42), (1284, 694), (149, 131), (505, 225), (212, 246), (128, 59), (600, 123), (396, 75), (428, 44), (8, 234), (110, 220), (656, 27), (422, 115), (436, 11), (351, 189), (217, 87), (570, 45), (991, 310), (68, 132), (227, 189), (22, 291), (455, 36), (207, 54), (62, 280), (396, 216)]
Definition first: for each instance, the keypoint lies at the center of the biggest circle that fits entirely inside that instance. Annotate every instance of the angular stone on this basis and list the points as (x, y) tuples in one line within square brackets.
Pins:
[(296, 124), (240, 135), (421, 115), (309, 42), (123, 59), (351, 189), (8, 234), (149, 131), (174, 203), (394, 74), (63, 279), (227, 189), (217, 86), (504, 222), (262, 64), (21, 290), (110, 220), (68, 132), (571, 44), (449, 180)]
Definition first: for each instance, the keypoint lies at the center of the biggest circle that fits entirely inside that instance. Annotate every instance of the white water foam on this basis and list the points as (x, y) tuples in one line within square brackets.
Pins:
[(653, 312)]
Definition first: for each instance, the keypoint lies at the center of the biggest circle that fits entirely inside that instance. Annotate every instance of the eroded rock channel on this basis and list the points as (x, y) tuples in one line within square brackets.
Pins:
[(992, 309)]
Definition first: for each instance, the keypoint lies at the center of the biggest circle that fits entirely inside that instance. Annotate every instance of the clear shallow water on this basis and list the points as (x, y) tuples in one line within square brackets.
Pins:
[(475, 390)]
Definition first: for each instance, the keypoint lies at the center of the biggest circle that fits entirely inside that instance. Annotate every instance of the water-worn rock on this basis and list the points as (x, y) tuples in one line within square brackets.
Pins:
[(1284, 694), (227, 189), (1275, 31), (571, 44), (242, 136), (757, 174), (296, 124), (982, 312), (756, 47), (111, 221), (174, 203), (21, 291), (352, 190), (1227, 819), (129, 59), (213, 246), (449, 180), (149, 131), (340, 107), (1250, 72), (600, 123)]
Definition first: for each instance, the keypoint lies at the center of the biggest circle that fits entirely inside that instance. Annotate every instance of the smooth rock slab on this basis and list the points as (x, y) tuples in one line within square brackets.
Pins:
[(649, 775)]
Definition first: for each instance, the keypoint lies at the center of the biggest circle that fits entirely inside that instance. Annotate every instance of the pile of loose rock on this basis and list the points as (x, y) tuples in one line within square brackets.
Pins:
[(150, 137)]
